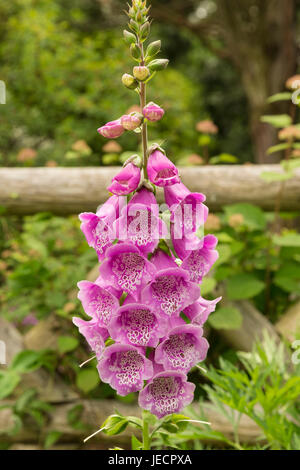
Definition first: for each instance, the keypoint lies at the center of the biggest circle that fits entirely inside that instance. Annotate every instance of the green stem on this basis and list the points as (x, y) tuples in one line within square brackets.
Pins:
[(146, 435), (144, 125)]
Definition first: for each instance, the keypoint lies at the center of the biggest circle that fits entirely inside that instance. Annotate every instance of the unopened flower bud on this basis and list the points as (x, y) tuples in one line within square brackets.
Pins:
[(153, 48), (158, 65), (144, 31), (134, 26), (129, 81), (135, 51), (141, 72), (129, 38), (153, 112), (111, 130), (131, 121)]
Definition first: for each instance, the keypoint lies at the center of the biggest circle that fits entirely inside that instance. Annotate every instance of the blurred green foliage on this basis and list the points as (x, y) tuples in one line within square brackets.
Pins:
[(62, 65)]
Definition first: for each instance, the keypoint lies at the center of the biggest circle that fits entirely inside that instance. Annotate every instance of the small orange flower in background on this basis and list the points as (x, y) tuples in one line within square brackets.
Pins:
[(207, 127), (26, 154), (112, 147), (51, 163), (213, 222), (195, 159), (82, 147), (291, 132), (236, 220), (293, 82)]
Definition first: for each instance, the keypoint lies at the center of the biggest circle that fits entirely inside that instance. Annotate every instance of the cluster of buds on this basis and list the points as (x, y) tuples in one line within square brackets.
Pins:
[(130, 122), (146, 311)]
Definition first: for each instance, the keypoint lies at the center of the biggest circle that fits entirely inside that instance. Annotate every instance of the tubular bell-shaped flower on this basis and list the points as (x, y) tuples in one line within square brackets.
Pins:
[(125, 368), (170, 291), (184, 347), (94, 334), (140, 223), (161, 171), (187, 209), (168, 392), (136, 324), (97, 228), (199, 261), (126, 268), (126, 181), (199, 312), (98, 303)]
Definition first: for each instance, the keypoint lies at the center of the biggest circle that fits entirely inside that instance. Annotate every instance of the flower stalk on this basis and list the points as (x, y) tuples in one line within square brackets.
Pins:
[(146, 312)]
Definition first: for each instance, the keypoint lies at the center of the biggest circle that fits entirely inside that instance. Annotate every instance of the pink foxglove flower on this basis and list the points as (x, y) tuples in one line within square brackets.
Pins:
[(184, 244), (97, 228), (138, 325), (147, 299), (168, 392), (125, 368), (153, 112), (182, 349), (126, 181), (198, 262), (199, 312), (126, 268), (94, 334), (130, 122), (161, 171), (140, 223), (187, 209), (170, 291), (112, 129), (98, 303)]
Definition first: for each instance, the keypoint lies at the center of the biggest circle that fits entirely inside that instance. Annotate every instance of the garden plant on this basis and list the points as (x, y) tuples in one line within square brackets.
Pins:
[(147, 314)]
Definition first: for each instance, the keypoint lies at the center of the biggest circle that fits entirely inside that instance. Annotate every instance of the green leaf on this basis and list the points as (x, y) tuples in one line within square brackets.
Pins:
[(243, 286), (66, 344), (254, 217), (24, 400), (279, 120), (223, 158), (208, 284), (135, 443), (114, 424), (288, 284), (224, 254), (278, 148), (288, 239), (272, 176), (87, 379), (9, 379), (284, 96), (26, 361), (290, 165), (226, 318), (51, 438)]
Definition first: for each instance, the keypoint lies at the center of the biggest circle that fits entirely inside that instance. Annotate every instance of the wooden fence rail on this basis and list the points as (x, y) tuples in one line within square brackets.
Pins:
[(73, 190)]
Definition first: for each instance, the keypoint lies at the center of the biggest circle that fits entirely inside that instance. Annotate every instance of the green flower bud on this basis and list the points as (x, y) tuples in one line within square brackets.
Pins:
[(141, 72), (158, 65), (135, 51), (153, 48), (129, 38), (144, 31), (129, 81), (134, 26)]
